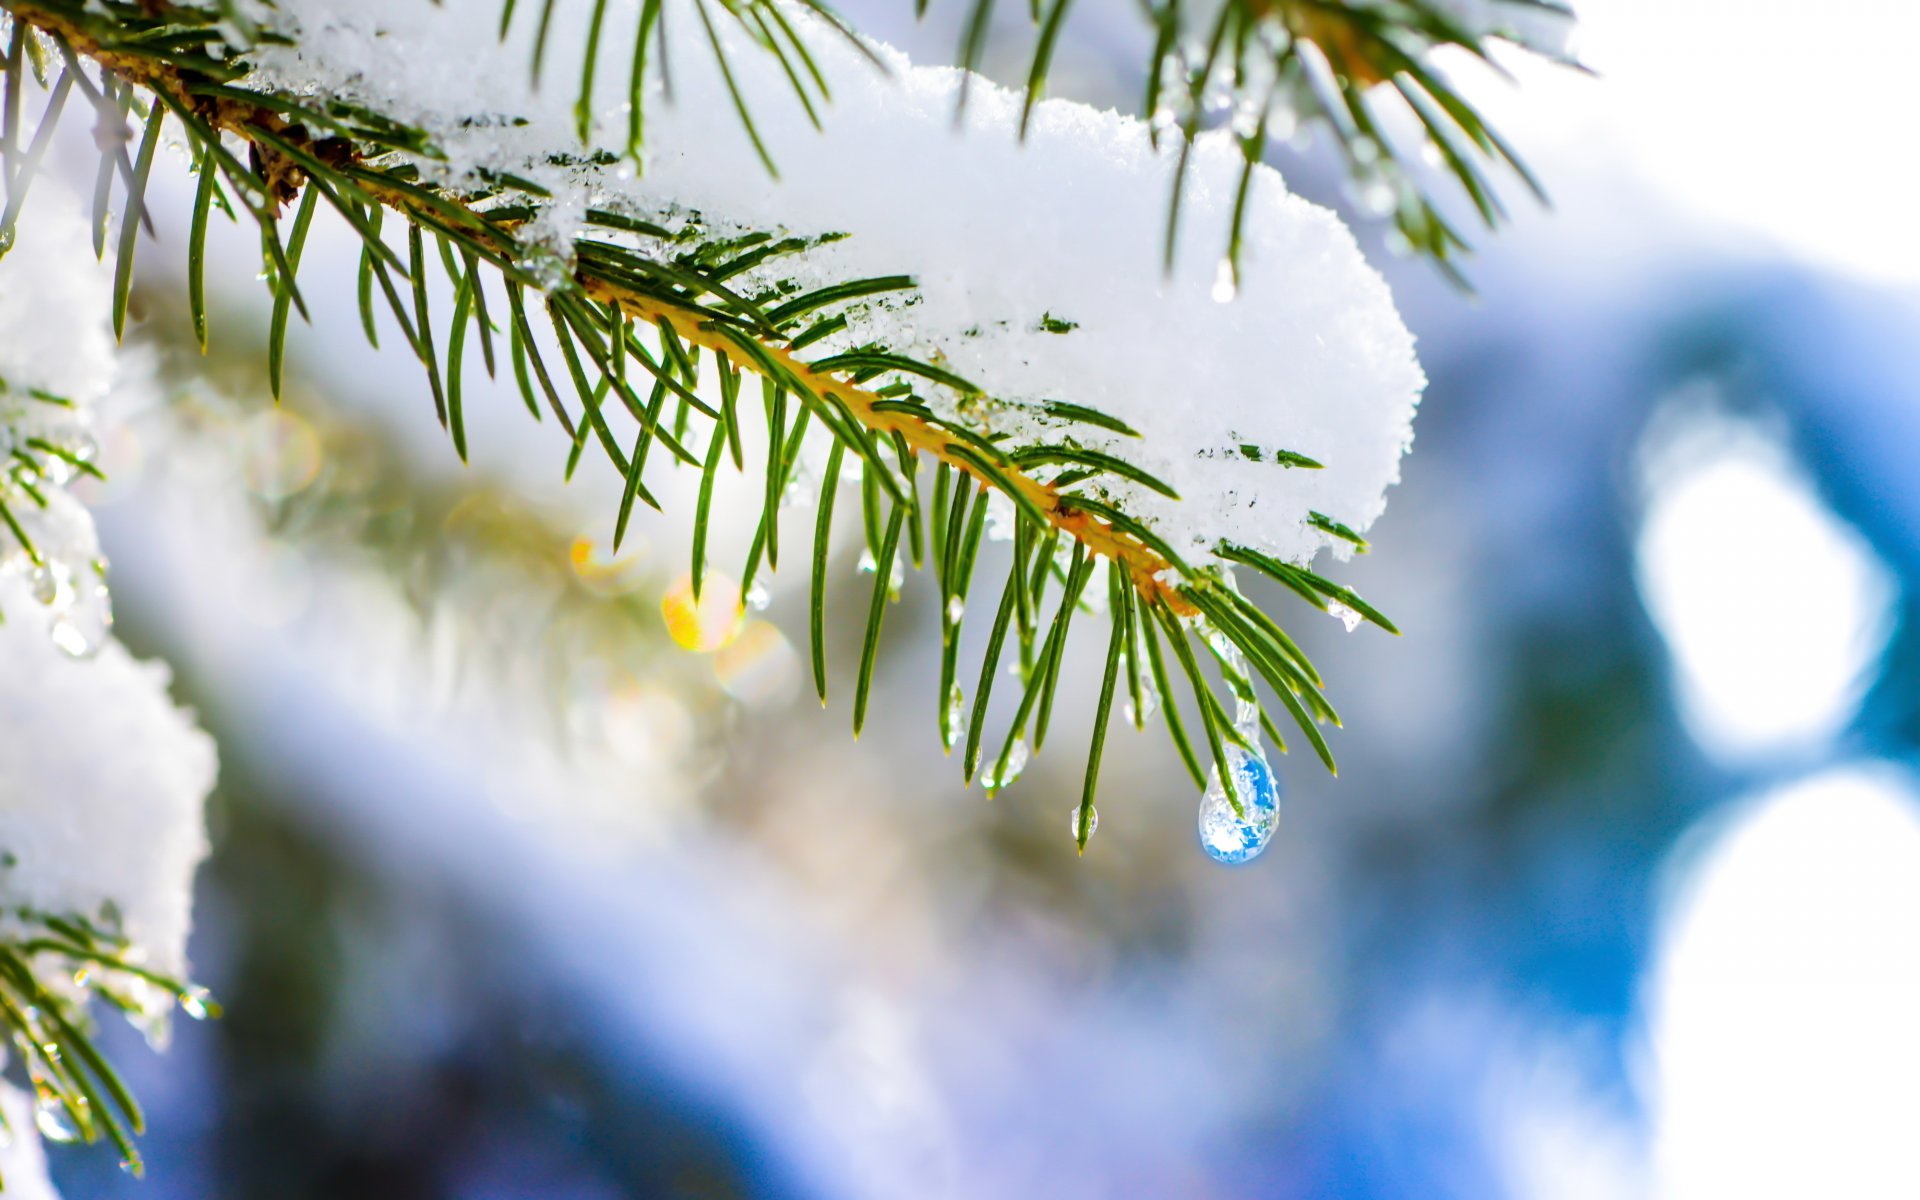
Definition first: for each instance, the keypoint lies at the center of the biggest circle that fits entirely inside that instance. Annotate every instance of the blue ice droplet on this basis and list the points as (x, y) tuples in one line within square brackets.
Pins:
[(1226, 836)]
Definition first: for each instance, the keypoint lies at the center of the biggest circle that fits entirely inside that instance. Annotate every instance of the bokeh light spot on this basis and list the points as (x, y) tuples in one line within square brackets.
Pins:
[(708, 623)]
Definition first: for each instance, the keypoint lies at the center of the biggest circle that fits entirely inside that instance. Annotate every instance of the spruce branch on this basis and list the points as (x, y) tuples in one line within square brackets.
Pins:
[(1265, 68), (50, 963), (643, 310)]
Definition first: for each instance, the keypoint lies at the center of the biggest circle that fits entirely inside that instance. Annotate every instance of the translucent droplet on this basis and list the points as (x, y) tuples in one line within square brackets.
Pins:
[(196, 1003), (956, 608), (801, 487), (1149, 705), (1093, 823), (758, 597), (954, 718), (1246, 117), (1016, 757), (1226, 284), (1350, 617), (50, 587), (55, 1123), (896, 574), (1227, 836)]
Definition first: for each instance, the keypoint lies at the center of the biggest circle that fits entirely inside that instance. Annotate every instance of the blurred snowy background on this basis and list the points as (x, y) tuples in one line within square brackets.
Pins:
[(1618, 893)]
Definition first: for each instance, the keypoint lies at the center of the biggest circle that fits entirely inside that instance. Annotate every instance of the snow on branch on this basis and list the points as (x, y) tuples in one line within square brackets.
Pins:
[(1036, 267), (102, 777), (909, 293)]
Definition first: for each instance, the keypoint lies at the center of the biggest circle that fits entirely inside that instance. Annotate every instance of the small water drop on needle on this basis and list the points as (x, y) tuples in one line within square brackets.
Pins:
[(1348, 616), (1227, 836), (1226, 283)]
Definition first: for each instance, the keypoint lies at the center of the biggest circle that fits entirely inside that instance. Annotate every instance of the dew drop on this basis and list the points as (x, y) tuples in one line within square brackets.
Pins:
[(1226, 284), (55, 1123), (1093, 823), (953, 721), (1016, 760), (1350, 617), (758, 597), (196, 1003), (956, 608), (1247, 116), (1148, 707), (1224, 834)]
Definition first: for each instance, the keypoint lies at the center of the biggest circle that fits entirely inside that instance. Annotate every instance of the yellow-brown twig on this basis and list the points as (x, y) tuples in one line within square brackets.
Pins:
[(1143, 565)]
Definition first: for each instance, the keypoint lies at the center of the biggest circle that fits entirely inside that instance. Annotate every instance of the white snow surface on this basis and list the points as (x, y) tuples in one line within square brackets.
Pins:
[(23, 1160), (1310, 356), (102, 777), (101, 783)]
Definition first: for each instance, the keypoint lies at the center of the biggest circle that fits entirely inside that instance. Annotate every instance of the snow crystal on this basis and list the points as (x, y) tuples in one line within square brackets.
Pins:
[(1039, 265)]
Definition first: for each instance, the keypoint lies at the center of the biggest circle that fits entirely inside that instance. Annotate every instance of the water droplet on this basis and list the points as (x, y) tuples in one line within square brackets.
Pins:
[(896, 575), (1093, 823), (196, 1003), (954, 717), (1149, 705), (1350, 617), (53, 1119), (1226, 284), (956, 608), (758, 597), (49, 585), (1016, 762), (1227, 836)]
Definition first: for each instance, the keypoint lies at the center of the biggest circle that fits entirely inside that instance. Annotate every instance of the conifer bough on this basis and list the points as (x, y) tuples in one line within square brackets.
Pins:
[(991, 344), (989, 331)]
